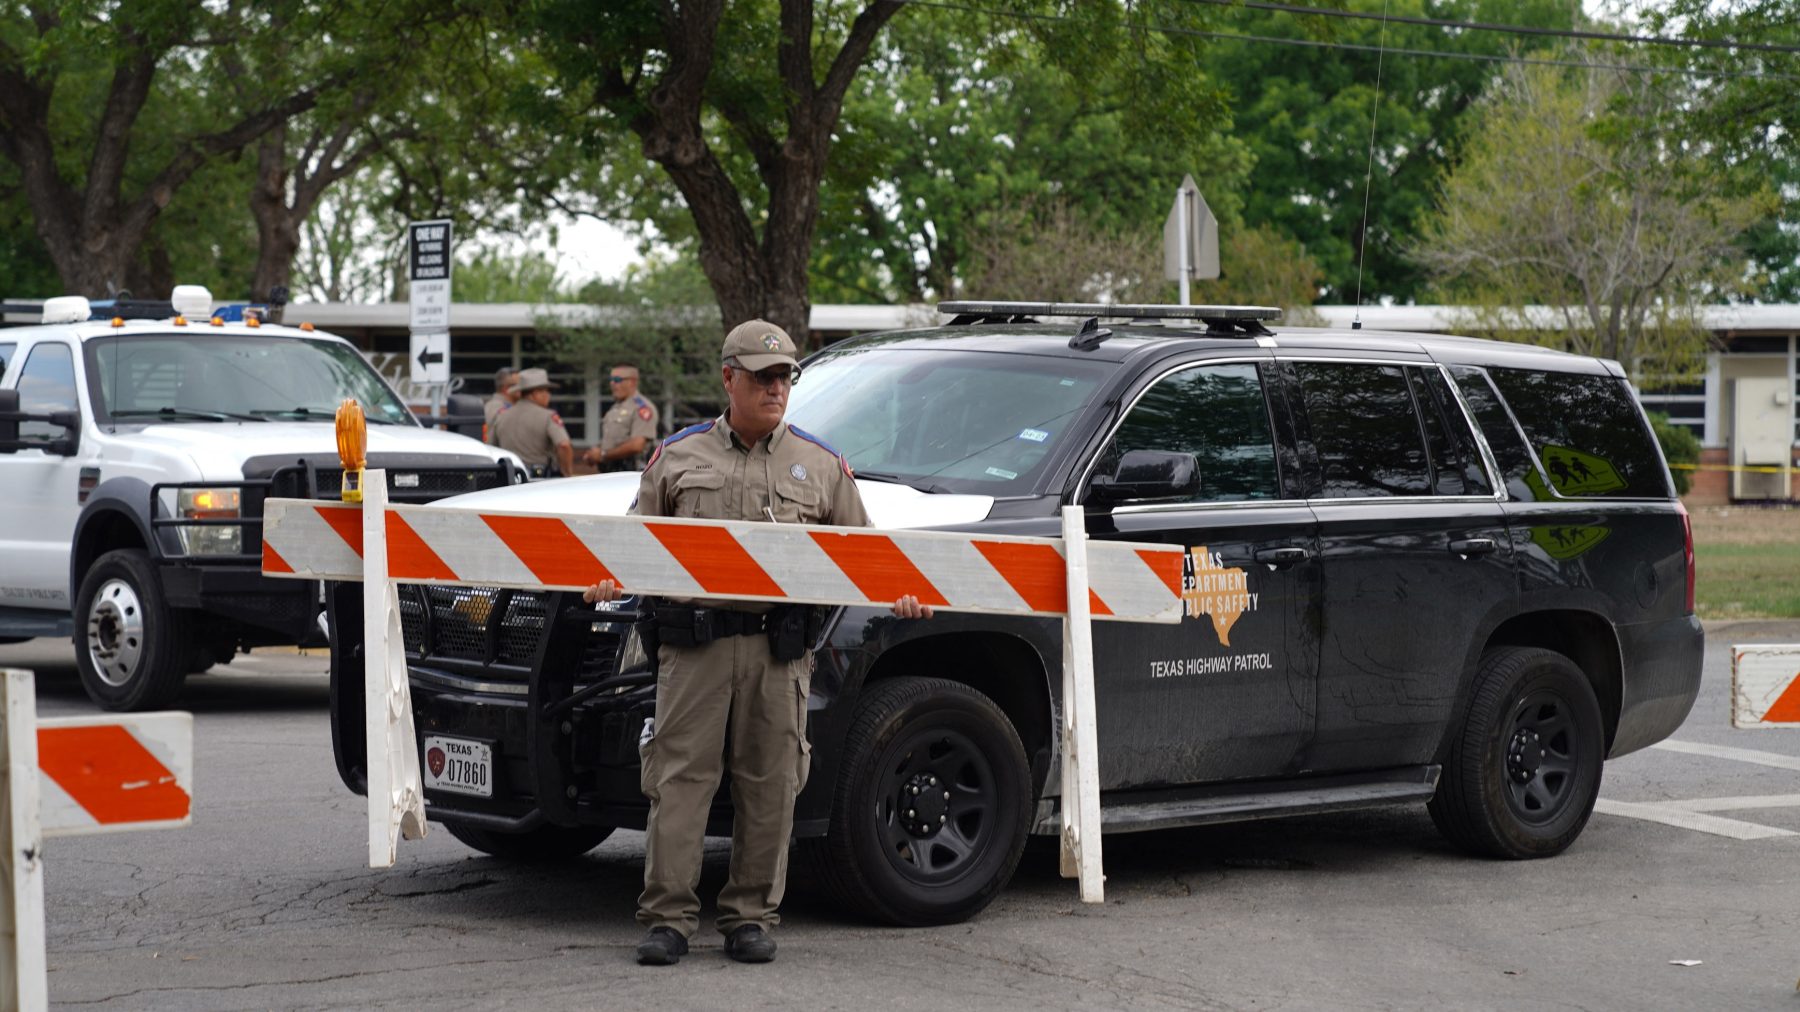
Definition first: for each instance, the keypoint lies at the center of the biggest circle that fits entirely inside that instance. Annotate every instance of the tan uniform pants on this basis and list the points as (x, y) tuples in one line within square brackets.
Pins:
[(729, 690)]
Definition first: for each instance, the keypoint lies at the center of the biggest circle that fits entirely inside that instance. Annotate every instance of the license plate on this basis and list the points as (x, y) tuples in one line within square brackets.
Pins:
[(460, 766)]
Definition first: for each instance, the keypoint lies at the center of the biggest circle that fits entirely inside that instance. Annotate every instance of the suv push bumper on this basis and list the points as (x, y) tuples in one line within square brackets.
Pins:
[(1661, 665)]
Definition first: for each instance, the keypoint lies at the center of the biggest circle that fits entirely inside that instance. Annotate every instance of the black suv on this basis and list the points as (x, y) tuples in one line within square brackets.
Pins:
[(1419, 568)]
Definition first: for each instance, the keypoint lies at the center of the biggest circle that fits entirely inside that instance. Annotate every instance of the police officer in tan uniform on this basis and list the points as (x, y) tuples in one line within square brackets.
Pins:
[(734, 672), (534, 432), (506, 379), (628, 430)]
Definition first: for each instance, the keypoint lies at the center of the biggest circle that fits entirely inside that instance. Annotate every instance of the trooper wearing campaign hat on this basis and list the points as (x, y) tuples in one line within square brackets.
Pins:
[(733, 675), (533, 431)]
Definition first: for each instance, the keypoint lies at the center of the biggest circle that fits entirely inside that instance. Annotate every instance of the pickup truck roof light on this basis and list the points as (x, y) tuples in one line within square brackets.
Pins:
[(67, 309), (1228, 321)]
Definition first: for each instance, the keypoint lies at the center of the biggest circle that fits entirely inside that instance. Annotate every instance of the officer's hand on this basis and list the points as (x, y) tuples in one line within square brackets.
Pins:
[(605, 590), (591, 455), (909, 607)]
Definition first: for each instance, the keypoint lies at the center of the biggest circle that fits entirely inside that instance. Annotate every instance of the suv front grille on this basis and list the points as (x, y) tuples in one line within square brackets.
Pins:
[(498, 630)]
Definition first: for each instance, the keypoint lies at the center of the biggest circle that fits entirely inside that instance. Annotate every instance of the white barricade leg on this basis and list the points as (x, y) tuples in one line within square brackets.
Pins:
[(23, 973), (396, 792), (1081, 757)]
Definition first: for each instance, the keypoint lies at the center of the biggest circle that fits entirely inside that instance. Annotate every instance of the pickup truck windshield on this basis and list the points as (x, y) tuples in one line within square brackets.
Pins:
[(218, 377), (955, 421)]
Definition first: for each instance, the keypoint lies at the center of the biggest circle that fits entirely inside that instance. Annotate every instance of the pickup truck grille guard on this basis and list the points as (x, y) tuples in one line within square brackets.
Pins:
[(305, 480)]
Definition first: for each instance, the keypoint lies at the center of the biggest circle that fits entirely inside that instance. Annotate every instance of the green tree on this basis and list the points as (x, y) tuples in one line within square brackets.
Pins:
[(1749, 122), (1574, 196), (934, 158), (747, 140), (1305, 116)]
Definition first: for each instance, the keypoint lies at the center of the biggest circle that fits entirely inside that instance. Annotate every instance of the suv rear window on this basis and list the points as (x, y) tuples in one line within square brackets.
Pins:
[(1588, 433)]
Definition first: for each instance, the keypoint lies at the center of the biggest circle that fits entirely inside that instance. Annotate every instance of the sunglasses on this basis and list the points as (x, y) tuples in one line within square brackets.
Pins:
[(617, 379), (771, 376)]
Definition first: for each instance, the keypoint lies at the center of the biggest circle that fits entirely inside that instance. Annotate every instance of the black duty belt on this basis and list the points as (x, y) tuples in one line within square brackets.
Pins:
[(686, 626)]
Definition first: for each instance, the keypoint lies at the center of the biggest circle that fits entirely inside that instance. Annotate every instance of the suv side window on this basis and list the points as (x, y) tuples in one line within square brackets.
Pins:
[(1588, 433), (1218, 414), (1365, 429), (1503, 439), (1455, 458), (6, 356), (47, 383)]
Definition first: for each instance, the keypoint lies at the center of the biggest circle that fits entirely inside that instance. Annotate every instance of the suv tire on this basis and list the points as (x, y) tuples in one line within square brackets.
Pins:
[(1523, 772), (543, 845), (931, 860), (131, 648)]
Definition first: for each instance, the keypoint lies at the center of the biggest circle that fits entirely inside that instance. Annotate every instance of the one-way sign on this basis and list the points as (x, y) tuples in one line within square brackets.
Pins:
[(430, 358)]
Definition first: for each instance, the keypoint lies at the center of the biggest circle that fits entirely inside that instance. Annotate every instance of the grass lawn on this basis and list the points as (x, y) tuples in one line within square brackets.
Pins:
[(1746, 562)]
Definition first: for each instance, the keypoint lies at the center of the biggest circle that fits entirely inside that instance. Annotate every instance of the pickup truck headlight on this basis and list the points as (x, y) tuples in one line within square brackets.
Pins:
[(210, 504)]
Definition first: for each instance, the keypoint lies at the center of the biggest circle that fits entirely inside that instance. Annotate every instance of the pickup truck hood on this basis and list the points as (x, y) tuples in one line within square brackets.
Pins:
[(220, 448), (890, 506)]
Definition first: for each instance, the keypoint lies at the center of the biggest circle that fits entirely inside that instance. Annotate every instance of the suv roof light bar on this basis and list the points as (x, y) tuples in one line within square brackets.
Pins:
[(1221, 321), (1107, 310)]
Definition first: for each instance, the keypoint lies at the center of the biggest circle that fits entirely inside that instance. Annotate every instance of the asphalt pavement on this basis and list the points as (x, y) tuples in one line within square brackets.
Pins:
[(265, 902)]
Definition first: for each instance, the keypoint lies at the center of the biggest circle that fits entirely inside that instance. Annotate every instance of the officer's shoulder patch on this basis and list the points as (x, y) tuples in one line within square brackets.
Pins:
[(823, 445), (556, 418), (644, 412)]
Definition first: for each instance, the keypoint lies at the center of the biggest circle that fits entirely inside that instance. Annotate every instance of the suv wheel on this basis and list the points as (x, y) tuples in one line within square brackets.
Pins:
[(543, 844), (1523, 773), (931, 808), (130, 646)]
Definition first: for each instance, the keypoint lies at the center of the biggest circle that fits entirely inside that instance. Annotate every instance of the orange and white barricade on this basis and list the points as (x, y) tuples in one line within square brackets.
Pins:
[(1765, 685), (1064, 578), (71, 776)]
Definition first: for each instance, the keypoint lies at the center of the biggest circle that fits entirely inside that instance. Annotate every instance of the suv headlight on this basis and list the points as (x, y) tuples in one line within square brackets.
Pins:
[(210, 504)]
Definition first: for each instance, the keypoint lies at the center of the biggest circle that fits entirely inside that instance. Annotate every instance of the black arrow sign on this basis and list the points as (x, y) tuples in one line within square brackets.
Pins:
[(427, 359)]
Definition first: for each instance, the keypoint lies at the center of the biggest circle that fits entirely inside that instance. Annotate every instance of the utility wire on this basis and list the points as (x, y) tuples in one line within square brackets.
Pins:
[(1356, 47), (1484, 26)]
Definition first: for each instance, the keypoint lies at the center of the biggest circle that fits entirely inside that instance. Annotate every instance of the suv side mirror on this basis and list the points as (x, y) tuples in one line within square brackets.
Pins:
[(1147, 475)]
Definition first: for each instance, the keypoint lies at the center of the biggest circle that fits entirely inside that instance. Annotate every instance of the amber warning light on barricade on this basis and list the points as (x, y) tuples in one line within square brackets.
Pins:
[(353, 448)]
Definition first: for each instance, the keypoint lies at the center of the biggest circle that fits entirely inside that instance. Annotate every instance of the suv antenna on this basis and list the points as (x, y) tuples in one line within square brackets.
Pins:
[(1362, 238), (1090, 335)]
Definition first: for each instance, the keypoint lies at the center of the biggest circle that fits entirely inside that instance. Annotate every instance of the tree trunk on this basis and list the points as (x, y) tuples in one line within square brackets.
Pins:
[(277, 231)]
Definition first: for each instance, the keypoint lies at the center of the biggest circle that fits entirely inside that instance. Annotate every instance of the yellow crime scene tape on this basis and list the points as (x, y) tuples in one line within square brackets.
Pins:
[(1751, 468)]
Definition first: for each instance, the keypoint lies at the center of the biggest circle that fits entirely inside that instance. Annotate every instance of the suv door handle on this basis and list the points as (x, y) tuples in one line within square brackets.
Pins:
[(1474, 546), (1275, 558)]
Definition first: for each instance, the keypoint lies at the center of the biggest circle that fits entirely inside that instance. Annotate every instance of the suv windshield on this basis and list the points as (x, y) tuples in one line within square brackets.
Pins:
[(206, 377), (958, 421)]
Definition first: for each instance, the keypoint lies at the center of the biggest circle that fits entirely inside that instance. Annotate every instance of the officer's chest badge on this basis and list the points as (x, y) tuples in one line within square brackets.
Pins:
[(798, 471)]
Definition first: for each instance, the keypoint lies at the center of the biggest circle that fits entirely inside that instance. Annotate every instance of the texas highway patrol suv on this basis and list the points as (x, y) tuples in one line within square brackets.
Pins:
[(1419, 568), (135, 454)]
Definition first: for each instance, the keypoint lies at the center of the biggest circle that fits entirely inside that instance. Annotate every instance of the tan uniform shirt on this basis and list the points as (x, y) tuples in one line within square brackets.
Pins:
[(628, 419), (491, 409), (790, 477), (532, 431)]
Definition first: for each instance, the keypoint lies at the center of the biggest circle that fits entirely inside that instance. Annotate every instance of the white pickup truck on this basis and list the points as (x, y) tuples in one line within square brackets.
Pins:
[(136, 448)]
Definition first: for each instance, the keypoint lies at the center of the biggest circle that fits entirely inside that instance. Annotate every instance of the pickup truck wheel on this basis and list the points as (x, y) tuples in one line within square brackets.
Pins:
[(931, 808), (130, 646), (1523, 773), (541, 845)]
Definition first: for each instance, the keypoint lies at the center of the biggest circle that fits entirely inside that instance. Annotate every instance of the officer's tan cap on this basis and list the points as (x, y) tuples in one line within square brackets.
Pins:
[(757, 345), (534, 379)]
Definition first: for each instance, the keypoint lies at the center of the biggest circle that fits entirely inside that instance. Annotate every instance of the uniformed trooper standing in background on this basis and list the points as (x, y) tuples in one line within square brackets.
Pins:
[(534, 432), (733, 671), (506, 393), (628, 430)]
